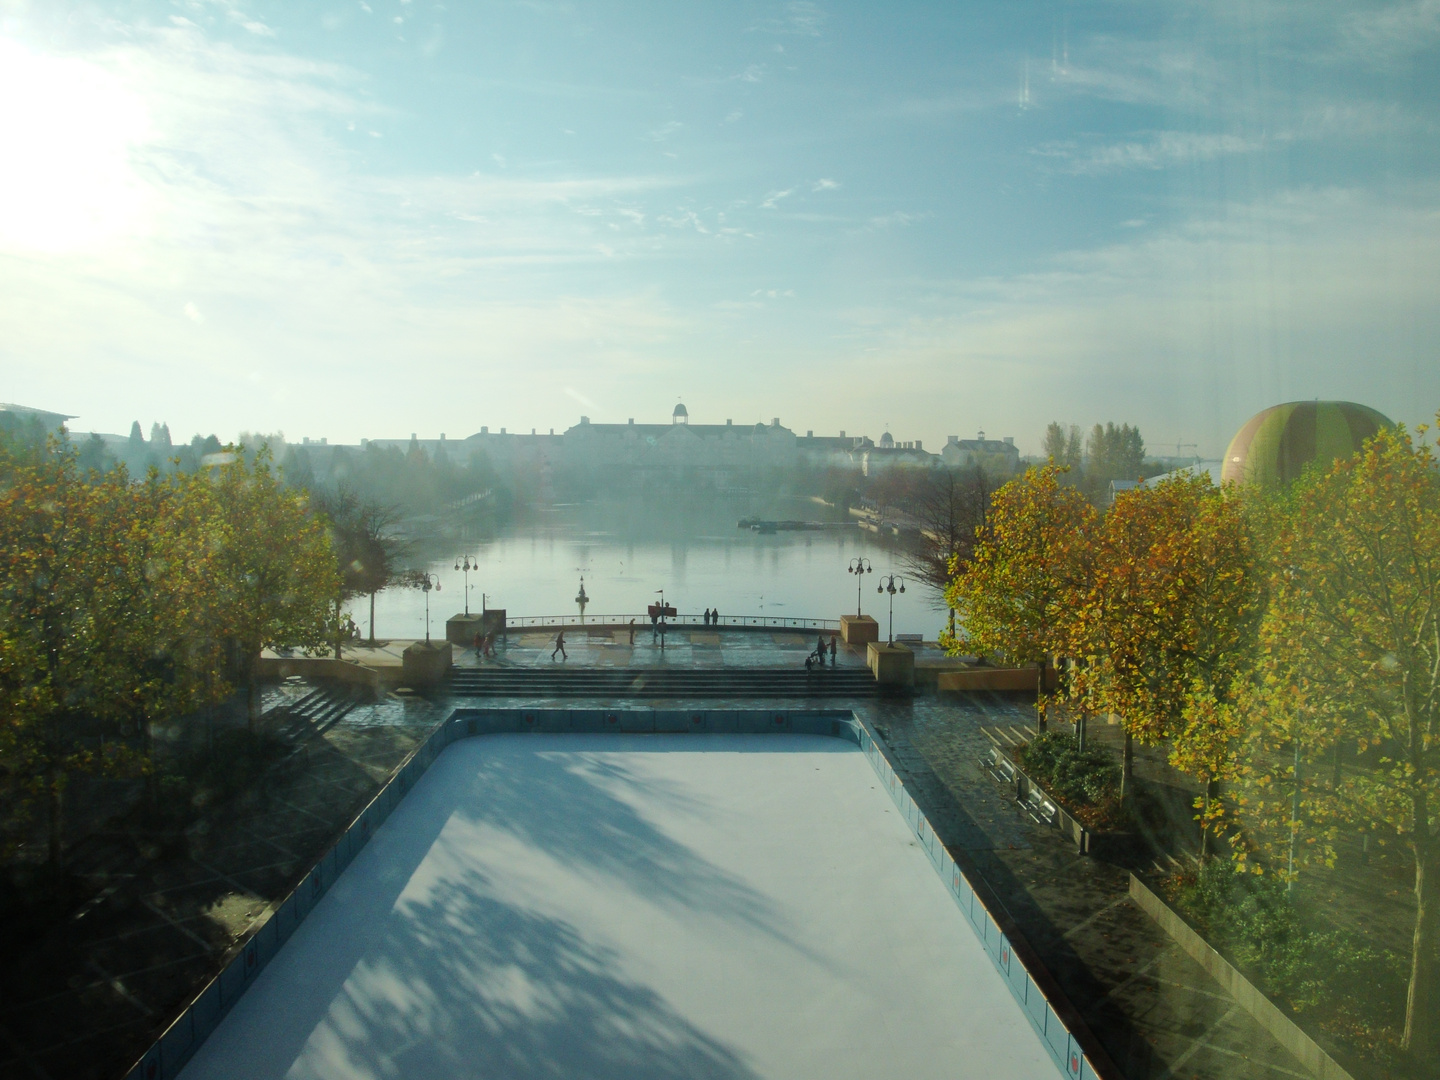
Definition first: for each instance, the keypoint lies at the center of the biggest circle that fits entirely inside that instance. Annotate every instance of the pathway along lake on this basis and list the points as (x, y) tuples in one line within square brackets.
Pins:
[(629, 550)]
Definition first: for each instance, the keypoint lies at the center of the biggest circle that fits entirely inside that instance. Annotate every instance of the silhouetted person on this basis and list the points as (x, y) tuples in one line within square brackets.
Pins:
[(560, 646), (820, 648), (632, 631), (479, 644), (715, 617), (832, 652)]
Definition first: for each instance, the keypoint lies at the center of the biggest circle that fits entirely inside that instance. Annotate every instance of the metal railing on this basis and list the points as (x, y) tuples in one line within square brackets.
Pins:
[(691, 621)]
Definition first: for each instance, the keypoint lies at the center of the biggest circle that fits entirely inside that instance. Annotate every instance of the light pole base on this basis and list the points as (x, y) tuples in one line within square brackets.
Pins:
[(893, 665), (858, 629)]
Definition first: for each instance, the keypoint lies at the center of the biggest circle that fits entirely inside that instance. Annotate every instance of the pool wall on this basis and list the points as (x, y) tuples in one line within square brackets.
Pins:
[(1032, 987)]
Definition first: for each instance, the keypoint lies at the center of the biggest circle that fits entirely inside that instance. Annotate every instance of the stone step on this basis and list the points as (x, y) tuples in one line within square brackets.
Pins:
[(652, 682)]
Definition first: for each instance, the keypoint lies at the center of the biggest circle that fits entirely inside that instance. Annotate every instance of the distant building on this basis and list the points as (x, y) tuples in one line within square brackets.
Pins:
[(719, 456), (995, 455), (1211, 469), (18, 415)]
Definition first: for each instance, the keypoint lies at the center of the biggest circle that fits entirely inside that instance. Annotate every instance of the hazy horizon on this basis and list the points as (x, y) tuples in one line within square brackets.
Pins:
[(363, 219)]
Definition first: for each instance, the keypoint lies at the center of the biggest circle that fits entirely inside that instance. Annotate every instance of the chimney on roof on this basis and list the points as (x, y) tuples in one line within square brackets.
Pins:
[(951, 440), (729, 423), (918, 446), (584, 419), (484, 431), (632, 421), (775, 422), (1009, 440), (809, 434), (842, 434)]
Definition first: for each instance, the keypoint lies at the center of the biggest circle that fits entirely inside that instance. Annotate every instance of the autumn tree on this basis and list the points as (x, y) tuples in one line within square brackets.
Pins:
[(1018, 593), (1352, 639), (1166, 631), (273, 565), (950, 506), (368, 549), (98, 624), (1062, 445)]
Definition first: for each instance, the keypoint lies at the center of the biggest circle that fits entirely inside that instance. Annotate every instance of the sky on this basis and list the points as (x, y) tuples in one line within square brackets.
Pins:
[(365, 219)]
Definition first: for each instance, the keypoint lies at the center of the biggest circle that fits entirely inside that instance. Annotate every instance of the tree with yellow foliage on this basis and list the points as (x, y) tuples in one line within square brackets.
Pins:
[(1351, 653), (1167, 627), (1016, 596)]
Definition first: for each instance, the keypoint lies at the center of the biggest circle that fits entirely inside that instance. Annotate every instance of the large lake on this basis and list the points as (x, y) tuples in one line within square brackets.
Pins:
[(629, 550)]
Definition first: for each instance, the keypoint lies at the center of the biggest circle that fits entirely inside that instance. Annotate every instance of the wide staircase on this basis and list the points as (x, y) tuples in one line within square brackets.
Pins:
[(314, 714), (660, 682)]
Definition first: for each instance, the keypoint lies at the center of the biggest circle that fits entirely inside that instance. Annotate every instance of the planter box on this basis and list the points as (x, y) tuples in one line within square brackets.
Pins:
[(893, 665), (461, 629), (425, 664), (1286, 1032), (988, 678), (858, 629)]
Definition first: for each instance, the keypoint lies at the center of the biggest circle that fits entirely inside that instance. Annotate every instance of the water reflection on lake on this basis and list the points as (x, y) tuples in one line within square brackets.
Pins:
[(628, 551)]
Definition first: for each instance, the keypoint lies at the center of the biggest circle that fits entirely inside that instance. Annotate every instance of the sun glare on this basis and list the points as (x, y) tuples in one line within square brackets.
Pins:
[(67, 132)]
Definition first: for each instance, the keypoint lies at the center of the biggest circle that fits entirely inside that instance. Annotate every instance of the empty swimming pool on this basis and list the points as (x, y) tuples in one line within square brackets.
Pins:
[(636, 906)]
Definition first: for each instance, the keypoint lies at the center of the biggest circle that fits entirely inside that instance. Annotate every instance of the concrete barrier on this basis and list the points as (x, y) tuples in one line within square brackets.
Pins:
[(425, 663), (317, 667), (1052, 1017), (988, 678), (1264, 1011)]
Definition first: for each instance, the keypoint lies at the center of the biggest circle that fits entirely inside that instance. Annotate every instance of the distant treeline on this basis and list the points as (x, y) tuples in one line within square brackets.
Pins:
[(422, 487)]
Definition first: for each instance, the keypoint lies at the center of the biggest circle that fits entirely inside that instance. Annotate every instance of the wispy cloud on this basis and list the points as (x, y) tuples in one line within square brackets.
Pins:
[(801, 18), (825, 184), (772, 200), (1156, 150), (1393, 32)]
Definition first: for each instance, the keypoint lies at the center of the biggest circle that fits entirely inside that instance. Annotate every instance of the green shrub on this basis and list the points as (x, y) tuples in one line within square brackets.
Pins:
[(1355, 989), (1089, 777)]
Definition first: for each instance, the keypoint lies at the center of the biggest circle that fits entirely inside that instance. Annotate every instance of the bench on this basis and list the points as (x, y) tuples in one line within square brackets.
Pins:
[(1000, 767), (1041, 810)]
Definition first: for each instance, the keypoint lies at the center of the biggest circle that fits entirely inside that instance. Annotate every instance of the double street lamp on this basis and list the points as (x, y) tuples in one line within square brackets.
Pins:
[(887, 585), (427, 582), (859, 567), (466, 563)]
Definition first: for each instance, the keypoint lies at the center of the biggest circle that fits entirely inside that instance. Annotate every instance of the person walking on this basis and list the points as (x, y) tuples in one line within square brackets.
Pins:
[(832, 650), (820, 648), (479, 644), (560, 646), (632, 631), (490, 643)]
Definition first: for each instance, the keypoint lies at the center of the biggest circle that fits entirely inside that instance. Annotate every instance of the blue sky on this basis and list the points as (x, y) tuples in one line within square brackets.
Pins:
[(365, 219)]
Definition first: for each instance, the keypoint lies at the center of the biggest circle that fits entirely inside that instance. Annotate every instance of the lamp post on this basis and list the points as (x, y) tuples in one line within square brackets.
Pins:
[(887, 585), (859, 567), (466, 563), (427, 582)]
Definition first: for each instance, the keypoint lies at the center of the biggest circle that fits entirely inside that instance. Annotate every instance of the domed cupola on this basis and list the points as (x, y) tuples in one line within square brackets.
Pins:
[(680, 416)]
